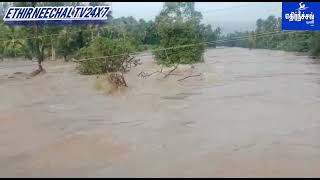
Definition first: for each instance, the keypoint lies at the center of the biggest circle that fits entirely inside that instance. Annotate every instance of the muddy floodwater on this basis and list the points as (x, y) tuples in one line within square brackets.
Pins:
[(251, 113)]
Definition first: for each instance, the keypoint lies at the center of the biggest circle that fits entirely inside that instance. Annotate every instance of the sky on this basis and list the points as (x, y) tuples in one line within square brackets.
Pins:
[(230, 16)]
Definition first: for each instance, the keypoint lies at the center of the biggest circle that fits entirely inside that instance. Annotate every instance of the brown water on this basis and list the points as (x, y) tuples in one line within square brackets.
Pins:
[(250, 114)]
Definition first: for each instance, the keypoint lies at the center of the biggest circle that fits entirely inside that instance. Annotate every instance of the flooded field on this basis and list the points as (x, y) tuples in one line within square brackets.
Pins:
[(251, 113)]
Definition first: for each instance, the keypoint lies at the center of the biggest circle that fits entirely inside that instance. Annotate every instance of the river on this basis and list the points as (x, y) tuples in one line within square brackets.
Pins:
[(251, 113)]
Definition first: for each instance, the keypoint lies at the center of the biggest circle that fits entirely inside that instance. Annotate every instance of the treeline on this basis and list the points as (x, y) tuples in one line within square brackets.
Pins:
[(58, 41), (268, 35), (178, 24)]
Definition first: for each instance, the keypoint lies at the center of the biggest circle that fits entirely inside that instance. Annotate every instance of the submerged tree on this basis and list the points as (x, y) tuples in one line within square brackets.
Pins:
[(35, 45), (179, 25)]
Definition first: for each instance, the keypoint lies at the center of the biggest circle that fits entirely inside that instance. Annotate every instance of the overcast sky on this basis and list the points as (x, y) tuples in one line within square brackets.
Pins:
[(230, 16)]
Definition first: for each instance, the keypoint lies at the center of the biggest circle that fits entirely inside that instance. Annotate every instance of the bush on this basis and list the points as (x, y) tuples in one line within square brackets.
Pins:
[(118, 51)]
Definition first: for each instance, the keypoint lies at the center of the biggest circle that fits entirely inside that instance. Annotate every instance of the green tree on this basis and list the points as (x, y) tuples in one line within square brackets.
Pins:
[(66, 43), (151, 37), (210, 35), (35, 45), (179, 24), (315, 44), (268, 35), (12, 45)]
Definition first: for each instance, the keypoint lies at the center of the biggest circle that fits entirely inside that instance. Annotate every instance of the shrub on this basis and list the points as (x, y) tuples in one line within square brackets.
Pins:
[(96, 62)]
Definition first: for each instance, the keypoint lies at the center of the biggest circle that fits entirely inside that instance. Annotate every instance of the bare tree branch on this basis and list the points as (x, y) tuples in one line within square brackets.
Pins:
[(169, 73), (144, 74), (189, 77)]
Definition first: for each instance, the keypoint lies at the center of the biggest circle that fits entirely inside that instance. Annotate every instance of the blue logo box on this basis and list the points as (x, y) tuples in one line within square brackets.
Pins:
[(64, 15), (301, 16)]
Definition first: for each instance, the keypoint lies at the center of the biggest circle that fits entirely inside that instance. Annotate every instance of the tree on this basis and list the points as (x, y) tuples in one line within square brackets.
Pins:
[(210, 35), (151, 37), (268, 36), (66, 43), (12, 45), (315, 44), (179, 24), (35, 46)]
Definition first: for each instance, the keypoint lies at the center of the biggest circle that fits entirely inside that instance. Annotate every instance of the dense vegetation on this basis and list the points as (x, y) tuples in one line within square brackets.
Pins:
[(268, 35), (118, 36)]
